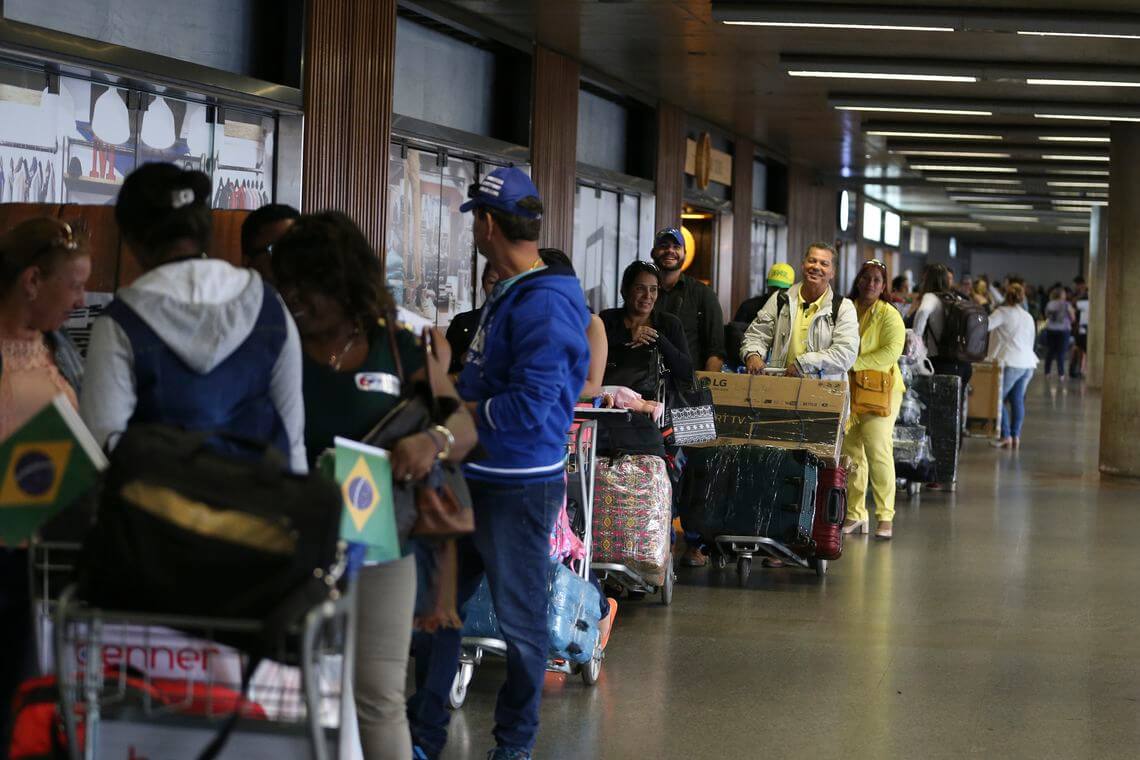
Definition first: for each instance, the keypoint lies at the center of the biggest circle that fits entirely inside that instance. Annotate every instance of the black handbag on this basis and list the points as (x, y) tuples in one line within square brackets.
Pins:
[(438, 507), (689, 417), (638, 369), (183, 529)]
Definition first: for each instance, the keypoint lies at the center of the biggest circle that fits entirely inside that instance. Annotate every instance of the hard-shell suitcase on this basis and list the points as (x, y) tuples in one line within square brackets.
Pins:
[(830, 512), (760, 491), (572, 615), (633, 504), (943, 420)]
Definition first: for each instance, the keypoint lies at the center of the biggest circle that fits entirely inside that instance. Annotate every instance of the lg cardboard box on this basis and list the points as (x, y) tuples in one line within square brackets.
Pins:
[(983, 416), (789, 412)]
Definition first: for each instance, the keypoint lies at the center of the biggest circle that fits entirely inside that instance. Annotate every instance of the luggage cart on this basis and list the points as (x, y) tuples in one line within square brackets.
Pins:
[(115, 699), (744, 548), (581, 446)]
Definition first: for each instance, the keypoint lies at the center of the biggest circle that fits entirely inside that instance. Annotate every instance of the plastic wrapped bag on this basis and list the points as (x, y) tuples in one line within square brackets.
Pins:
[(910, 412), (633, 515)]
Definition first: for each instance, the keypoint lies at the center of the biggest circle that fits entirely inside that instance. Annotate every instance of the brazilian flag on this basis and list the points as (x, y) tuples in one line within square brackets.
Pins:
[(368, 517), (45, 466)]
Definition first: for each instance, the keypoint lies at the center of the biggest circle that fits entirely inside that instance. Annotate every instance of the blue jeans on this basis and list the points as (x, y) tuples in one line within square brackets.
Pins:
[(1014, 383), (511, 545)]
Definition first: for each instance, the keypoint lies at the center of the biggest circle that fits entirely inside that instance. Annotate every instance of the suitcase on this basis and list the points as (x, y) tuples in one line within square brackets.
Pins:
[(760, 491), (942, 418), (633, 506), (572, 615), (830, 512)]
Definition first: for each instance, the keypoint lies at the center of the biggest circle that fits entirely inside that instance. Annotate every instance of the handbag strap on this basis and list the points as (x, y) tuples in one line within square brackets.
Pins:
[(394, 347)]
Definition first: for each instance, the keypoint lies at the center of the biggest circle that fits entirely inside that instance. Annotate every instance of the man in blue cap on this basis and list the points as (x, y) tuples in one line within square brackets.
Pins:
[(522, 376)]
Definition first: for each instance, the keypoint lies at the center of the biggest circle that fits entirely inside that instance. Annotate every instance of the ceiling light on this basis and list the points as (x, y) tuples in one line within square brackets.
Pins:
[(933, 135), (1067, 228), (997, 218), (951, 153), (878, 75), (978, 180), (955, 225), (1098, 195), (1081, 34), (963, 168), (1003, 206), (1084, 117), (1077, 184), (900, 109), (1079, 202), (1081, 83), (1067, 194), (822, 25), (1061, 157), (1073, 138), (992, 190), (1079, 172)]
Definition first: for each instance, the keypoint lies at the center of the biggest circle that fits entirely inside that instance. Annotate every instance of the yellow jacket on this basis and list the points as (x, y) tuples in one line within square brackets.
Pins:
[(882, 337)]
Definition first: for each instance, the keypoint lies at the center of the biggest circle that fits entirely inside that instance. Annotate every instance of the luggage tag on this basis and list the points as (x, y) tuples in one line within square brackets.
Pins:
[(378, 382)]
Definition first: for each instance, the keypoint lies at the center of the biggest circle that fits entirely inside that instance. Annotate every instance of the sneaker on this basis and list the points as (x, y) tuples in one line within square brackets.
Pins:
[(606, 626), (694, 557), (507, 753)]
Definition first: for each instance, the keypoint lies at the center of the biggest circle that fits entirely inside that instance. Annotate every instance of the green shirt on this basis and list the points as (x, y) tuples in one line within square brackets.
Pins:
[(350, 403)]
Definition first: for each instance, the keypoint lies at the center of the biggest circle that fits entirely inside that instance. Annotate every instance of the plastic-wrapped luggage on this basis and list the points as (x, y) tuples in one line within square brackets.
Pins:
[(759, 491), (571, 618), (633, 504), (830, 512), (942, 418)]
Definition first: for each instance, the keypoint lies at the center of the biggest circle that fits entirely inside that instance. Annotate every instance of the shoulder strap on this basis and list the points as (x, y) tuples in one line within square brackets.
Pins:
[(836, 302), (781, 302)]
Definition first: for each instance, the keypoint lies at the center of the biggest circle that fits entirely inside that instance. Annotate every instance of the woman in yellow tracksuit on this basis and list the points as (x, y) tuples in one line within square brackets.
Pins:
[(870, 438)]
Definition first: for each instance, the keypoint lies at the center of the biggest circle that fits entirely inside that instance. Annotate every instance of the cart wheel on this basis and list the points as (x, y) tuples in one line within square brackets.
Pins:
[(636, 596), (667, 589), (743, 570), (458, 694), (721, 560), (591, 670), (820, 566)]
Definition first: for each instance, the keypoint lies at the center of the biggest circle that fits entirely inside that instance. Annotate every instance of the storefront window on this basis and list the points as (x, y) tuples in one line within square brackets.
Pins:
[(75, 141), (767, 241), (607, 239)]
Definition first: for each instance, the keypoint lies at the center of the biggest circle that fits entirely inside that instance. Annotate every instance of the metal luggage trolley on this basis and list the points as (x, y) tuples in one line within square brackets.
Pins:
[(129, 706), (581, 444), (744, 548)]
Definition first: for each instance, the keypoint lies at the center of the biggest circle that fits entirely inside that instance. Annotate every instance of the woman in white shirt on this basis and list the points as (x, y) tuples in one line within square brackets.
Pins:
[(1012, 335)]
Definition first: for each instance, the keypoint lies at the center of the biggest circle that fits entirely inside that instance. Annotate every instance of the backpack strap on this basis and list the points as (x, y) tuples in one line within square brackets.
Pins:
[(836, 302), (781, 302)]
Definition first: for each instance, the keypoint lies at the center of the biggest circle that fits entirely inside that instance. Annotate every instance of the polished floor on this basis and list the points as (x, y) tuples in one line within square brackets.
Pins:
[(1002, 621)]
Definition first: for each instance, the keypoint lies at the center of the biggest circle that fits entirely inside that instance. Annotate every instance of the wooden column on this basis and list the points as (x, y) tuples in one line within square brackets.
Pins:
[(812, 212), (554, 144), (670, 164), (742, 164), (350, 62)]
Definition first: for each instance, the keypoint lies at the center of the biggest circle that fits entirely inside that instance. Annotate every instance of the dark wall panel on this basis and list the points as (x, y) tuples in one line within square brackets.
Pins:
[(554, 144), (670, 164)]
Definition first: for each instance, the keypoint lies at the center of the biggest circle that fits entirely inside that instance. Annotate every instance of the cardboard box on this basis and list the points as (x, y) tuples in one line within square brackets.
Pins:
[(983, 416), (789, 412)]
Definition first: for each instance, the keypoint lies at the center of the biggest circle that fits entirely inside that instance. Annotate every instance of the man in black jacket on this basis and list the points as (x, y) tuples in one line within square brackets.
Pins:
[(691, 301), (462, 329)]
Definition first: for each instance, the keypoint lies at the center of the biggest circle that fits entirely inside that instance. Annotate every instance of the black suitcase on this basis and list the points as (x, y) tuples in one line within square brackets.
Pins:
[(942, 418), (759, 491)]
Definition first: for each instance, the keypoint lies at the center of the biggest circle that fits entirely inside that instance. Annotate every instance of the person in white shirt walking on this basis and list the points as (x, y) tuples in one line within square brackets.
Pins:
[(1012, 335)]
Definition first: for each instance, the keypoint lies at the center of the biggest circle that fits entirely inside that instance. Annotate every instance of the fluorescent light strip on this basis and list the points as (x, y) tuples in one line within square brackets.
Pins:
[(874, 75), (899, 109), (955, 225), (1081, 83), (1098, 195), (1079, 172), (1001, 206), (1077, 184), (1073, 138), (1081, 34), (963, 168), (991, 190), (1012, 219), (933, 135), (821, 25), (1084, 117), (949, 153), (977, 180), (1079, 202), (1064, 157), (1067, 228)]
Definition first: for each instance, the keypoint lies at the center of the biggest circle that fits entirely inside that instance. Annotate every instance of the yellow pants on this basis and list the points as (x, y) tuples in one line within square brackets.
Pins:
[(869, 443)]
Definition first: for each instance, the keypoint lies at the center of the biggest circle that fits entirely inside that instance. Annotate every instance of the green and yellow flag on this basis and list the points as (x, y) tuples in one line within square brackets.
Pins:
[(44, 467), (365, 477)]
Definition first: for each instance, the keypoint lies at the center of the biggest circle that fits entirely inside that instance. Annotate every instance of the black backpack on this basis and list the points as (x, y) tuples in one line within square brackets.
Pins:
[(965, 329)]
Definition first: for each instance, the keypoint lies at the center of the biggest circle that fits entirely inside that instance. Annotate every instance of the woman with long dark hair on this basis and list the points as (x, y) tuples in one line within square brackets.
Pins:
[(870, 439)]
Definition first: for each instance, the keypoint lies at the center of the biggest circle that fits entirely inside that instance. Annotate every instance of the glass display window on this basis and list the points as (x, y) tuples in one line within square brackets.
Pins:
[(241, 160)]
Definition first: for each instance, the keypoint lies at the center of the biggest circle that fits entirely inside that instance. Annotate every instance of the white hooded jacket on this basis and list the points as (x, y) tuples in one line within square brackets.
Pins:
[(831, 348)]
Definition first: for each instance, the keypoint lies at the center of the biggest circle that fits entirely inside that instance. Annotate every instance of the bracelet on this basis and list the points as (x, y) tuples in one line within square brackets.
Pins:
[(448, 440)]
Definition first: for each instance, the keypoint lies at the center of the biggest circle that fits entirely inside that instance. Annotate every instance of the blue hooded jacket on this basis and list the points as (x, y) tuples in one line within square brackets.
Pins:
[(526, 367)]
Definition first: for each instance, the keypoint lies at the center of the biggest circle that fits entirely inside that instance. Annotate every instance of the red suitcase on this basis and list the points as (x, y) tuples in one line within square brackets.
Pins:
[(830, 512)]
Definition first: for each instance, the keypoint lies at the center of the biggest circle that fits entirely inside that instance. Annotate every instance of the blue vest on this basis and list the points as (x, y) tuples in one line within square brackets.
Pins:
[(233, 397)]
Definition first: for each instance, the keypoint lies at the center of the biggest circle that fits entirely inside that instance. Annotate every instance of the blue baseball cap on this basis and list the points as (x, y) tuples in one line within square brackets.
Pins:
[(669, 235), (502, 189)]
